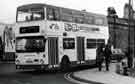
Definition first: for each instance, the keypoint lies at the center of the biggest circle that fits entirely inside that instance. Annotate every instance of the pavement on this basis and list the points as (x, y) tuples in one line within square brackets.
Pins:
[(93, 76)]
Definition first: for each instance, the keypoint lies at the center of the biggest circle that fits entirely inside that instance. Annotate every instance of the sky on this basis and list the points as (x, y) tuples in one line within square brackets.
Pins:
[(8, 7)]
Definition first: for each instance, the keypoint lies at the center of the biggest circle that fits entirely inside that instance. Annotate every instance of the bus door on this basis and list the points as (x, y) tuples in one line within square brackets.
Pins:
[(80, 49), (53, 50)]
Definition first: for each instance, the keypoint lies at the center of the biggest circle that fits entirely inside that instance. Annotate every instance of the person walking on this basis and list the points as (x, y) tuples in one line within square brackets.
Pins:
[(107, 54), (128, 54), (100, 57), (1, 50)]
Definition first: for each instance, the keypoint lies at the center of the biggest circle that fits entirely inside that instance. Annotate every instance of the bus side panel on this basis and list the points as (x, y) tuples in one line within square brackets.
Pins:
[(90, 53), (60, 47)]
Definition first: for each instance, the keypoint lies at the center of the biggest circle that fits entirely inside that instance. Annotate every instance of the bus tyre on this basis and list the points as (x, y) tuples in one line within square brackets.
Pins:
[(65, 64)]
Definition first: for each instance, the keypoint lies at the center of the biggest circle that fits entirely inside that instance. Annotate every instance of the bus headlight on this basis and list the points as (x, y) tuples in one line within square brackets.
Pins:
[(42, 61), (17, 61)]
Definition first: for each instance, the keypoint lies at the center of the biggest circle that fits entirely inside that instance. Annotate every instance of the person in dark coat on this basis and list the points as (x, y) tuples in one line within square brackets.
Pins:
[(128, 54), (100, 57), (1, 50), (107, 54)]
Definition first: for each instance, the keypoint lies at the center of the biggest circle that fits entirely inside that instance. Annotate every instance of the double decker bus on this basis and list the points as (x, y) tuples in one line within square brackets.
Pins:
[(50, 37)]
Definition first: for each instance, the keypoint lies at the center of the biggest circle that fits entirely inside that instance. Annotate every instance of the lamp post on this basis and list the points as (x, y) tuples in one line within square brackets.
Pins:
[(112, 15), (114, 30), (130, 51)]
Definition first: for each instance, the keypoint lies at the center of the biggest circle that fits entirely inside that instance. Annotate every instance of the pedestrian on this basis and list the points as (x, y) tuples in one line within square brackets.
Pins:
[(128, 54), (107, 54), (100, 57), (125, 68), (1, 50)]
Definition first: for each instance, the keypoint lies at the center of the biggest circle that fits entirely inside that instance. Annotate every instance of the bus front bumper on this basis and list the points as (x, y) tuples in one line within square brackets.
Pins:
[(31, 66)]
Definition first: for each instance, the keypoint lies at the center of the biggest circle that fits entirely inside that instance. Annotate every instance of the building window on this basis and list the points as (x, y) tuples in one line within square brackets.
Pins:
[(68, 43)]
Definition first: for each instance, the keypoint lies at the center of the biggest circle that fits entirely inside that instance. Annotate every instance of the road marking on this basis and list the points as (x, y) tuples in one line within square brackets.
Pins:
[(17, 82), (67, 76), (28, 83)]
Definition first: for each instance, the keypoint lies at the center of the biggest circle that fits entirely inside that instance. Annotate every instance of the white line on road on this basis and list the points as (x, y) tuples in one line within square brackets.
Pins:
[(67, 77)]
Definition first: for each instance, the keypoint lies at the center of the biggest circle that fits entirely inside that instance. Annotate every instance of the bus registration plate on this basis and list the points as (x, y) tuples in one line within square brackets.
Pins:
[(29, 61)]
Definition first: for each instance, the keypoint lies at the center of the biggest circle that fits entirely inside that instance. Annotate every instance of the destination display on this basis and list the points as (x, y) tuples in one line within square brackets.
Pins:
[(29, 29)]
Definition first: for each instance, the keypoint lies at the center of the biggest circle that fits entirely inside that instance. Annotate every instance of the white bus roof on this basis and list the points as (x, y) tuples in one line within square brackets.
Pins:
[(41, 5)]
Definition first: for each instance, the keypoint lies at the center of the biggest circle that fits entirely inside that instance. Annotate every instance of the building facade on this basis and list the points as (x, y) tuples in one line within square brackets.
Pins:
[(119, 32), (126, 12)]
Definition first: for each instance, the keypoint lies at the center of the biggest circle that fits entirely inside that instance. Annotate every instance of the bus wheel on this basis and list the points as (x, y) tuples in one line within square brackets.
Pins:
[(65, 64)]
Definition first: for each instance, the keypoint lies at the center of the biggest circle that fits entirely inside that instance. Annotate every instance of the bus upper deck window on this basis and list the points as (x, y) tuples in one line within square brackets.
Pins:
[(53, 14), (30, 14)]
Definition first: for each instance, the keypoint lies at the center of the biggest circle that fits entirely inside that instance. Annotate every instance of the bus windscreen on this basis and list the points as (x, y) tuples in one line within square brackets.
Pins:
[(30, 44)]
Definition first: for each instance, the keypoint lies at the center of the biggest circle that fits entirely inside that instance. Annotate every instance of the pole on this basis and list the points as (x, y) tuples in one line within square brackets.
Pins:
[(130, 51), (114, 31), (129, 23), (134, 41)]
